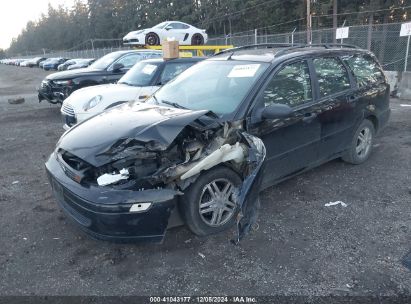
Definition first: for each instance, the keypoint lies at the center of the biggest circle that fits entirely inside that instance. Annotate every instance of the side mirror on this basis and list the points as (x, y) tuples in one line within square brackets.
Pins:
[(167, 28), (117, 67), (276, 111)]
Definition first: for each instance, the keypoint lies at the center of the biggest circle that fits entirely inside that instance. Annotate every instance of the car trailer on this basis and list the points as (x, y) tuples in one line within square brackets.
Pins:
[(196, 50)]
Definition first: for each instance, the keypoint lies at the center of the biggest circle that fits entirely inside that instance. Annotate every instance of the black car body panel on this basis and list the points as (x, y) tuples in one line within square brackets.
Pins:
[(56, 87), (139, 122), (174, 142)]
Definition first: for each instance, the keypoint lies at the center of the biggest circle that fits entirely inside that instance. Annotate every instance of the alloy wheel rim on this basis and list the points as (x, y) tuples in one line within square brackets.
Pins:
[(364, 142), (151, 40), (217, 205)]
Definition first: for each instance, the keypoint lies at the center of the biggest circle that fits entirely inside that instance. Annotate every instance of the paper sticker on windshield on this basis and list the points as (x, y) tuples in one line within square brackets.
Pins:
[(149, 69), (245, 70)]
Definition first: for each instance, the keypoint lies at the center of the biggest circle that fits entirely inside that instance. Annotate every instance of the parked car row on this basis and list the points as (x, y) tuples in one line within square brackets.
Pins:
[(55, 88), (191, 141), (55, 63)]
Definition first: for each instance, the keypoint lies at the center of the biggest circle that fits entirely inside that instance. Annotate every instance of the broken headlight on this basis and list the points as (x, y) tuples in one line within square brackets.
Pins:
[(92, 102)]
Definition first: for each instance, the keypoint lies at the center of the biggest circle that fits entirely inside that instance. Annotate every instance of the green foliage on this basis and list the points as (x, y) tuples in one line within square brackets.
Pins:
[(65, 27)]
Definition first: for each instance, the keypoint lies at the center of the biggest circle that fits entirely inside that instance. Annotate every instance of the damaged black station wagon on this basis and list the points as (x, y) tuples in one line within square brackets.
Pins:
[(200, 149)]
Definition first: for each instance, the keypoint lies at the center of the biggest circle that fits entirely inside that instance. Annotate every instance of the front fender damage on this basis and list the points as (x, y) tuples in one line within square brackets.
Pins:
[(196, 149)]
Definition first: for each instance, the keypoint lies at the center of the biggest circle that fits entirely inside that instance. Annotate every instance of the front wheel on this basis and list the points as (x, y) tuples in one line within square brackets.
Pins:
[(197, 39), (209, 204), (152, 39), (361, 144)]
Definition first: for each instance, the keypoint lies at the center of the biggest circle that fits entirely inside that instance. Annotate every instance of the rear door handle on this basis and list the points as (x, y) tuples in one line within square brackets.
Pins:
[(309, 117)]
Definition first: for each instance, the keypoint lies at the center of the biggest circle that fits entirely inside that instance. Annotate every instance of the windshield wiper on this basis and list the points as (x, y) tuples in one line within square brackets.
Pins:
[(125, 82), (155, 98), (174, 104)]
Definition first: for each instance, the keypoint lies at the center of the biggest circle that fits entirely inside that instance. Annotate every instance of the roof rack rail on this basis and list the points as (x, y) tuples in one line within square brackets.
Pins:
[(324, 45), (261, 45), (330, 45), (286, 47)]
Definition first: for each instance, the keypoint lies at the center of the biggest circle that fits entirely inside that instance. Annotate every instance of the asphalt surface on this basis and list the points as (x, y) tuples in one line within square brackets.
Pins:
[(300, 247)]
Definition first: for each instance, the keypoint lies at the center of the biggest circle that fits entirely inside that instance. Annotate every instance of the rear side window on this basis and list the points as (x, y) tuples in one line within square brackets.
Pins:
[(332, 76), (365, 69), (129, 60), (171, 71), (290, 86)]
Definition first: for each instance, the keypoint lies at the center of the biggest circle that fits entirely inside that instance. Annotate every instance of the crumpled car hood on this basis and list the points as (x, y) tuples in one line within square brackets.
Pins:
[(133, 121)]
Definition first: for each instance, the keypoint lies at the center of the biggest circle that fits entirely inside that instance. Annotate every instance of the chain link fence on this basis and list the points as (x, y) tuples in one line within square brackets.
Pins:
[(382, 39)]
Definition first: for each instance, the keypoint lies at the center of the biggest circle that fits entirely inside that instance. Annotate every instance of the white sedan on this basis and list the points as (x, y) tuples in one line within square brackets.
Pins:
[(184, 33), (140, 82)]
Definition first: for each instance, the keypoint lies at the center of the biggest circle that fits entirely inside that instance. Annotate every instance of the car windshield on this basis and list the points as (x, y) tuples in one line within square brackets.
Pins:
[(104, 61), (219, 86), (140, 74), (161, 25)]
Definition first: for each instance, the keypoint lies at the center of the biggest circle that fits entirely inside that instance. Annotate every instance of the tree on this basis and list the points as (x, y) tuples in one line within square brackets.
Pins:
[(66, 27)]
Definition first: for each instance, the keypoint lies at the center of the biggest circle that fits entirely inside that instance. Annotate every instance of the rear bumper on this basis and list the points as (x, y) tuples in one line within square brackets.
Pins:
[(103, 212)]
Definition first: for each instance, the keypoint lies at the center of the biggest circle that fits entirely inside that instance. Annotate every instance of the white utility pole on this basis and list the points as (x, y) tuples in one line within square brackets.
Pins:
[(309, 22)]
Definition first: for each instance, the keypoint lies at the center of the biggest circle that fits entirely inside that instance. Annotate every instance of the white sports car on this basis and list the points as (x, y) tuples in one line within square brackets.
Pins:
[(184, 33)]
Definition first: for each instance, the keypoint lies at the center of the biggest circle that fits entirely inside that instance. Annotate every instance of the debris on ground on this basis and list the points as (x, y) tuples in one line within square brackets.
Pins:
[(15, 182), (336, 203), (17, 100), (201, 255)]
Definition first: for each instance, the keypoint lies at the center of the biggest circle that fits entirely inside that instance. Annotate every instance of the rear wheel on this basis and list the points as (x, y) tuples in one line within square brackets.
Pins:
[(361, 144), (197, 39), (152, 39), (208, 205)]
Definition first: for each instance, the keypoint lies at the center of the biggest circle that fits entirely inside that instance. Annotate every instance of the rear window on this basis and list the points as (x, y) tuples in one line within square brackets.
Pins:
[(332, 76), (366, 71)]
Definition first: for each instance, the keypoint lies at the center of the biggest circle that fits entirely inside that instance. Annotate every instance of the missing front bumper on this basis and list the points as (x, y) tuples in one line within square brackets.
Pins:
[(105, 214)]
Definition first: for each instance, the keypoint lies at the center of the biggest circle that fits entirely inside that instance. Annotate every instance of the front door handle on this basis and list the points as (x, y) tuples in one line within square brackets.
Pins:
[(309, 117)]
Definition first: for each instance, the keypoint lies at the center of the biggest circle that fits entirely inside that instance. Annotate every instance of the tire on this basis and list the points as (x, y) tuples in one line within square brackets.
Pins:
[(197, 39), (152, 39), (361, 144), (203, 219)]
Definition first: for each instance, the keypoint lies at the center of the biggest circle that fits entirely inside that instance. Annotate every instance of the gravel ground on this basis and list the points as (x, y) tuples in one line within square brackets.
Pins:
[(300, 246)]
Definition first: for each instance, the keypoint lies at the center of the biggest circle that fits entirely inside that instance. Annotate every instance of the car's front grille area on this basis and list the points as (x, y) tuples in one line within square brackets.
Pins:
[(67, 110)]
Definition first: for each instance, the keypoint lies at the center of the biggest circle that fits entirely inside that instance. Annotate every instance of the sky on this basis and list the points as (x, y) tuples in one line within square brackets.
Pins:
[(14, 15)]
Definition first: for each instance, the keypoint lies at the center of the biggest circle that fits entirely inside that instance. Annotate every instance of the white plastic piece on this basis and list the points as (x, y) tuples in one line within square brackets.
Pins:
[(336, 203), (108, 179), (223, 154), (140, 207), (244, 70), (149, 69)]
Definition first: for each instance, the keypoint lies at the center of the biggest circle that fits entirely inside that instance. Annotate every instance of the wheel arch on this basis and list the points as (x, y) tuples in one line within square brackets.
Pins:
[(373, 119)]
